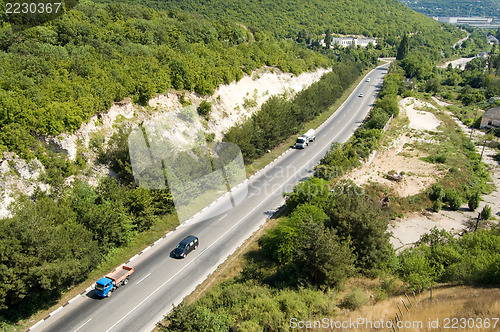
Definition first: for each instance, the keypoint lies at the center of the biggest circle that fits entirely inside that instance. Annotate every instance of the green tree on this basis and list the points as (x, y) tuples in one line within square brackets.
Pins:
[(403, 48), (322, 256), (355, 217), (416, 269), (473, 202), (44, 250), (486, 212), (314, 191), (204, 109)]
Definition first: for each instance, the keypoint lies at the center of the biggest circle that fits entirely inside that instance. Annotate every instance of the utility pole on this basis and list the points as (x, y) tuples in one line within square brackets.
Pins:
[(484, 144)]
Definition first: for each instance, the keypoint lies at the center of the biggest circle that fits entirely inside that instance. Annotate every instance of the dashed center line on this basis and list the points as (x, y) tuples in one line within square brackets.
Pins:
[(83, 324), (143, 279)]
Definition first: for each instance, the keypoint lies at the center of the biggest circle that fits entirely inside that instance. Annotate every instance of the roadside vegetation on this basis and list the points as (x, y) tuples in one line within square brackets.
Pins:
[(335, 232), (262, 132)]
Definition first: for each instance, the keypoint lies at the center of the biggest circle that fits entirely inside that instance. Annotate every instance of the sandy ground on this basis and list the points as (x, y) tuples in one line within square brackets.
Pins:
[(408, 230), (401, 157)]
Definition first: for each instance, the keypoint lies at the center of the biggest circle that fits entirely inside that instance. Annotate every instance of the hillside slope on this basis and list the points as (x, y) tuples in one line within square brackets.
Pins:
[(378, 18)]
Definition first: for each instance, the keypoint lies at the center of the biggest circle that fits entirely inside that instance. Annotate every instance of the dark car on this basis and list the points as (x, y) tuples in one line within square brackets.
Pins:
[(186, 246)]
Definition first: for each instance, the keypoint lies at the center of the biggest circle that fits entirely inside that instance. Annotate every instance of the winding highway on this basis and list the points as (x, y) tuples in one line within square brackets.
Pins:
[(160, 282)]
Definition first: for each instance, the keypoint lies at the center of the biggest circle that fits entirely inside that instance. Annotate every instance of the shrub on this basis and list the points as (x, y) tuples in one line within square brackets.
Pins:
[(354, 300), (468, 122), (440, 159), (486, 212), (204, 109), (473, 201), (210, 137), (437, 192), (437, 205), (453, 199), (380, 294)]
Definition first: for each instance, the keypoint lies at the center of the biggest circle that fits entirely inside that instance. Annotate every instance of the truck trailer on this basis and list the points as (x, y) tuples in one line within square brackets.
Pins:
[(305, 139), (106, 285)]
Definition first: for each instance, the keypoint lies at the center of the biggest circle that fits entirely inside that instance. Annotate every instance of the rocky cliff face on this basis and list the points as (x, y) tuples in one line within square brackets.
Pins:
[(231, 104)]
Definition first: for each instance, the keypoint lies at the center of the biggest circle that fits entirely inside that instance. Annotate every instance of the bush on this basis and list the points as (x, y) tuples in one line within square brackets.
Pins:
[(486, 212), (473, 201), (437, 192), (468, 122), (453, 199), (437, 205), (354, 300), (380, 294), (204, 109)]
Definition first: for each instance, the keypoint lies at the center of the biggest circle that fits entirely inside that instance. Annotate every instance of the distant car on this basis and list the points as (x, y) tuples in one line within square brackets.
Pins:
[(361, 95), (186, 246), (368, 79)]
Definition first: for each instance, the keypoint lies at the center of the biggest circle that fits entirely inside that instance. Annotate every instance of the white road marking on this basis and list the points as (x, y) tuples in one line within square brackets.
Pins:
[(56, 311), (83, 324), (143, 279)]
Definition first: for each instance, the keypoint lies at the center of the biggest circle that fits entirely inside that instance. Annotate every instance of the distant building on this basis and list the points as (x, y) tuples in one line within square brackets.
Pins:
[(492, 40), (479, 22), (491, 118), (483, 55), (352, 41)]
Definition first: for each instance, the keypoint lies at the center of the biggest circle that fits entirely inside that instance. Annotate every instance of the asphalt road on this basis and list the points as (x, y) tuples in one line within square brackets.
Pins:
[(159, 281)]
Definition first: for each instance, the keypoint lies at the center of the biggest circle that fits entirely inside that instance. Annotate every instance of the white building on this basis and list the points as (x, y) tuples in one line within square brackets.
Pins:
[(351, 41), (492, 40), (491, 118)]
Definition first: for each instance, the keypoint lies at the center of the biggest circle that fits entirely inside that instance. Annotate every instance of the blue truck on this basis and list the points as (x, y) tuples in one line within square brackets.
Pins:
[(106, 285)]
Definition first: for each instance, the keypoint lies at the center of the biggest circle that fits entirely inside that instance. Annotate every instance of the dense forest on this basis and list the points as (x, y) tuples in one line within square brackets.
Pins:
[(56, 76), (462, 8), (377, 18)]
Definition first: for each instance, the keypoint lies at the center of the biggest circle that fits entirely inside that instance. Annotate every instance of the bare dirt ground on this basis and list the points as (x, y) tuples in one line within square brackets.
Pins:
[(400, 156), (407, 230), (459, 63)]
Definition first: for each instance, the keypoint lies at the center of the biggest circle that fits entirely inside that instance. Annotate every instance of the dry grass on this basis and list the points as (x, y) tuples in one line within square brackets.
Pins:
[(447, 303)]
